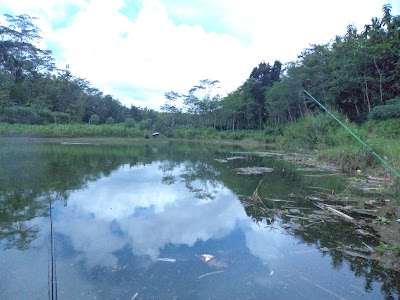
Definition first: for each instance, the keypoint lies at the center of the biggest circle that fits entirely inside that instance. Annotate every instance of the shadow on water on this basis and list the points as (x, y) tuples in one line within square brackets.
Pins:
[(34, 171)]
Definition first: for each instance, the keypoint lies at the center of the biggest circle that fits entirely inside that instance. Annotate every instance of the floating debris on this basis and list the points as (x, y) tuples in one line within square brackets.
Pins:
[(355, 254), (280, 200), (336, 212), (253, 170), (166, 259), (134, 296), (208, 274), (221, 160), (207, 257), (78, 143), (363, 232), (236, 157), (306, 169), (371, 178), (295, 211), (321, 175), (269, 154), (312, 198)]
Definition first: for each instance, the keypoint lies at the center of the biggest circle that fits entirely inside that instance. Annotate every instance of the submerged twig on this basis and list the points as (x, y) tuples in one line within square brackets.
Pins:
[(322, 288), (208, 274), (257, 198)]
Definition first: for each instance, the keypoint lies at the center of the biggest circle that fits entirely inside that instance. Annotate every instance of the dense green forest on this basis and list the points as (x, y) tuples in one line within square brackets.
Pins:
[(357, 74)]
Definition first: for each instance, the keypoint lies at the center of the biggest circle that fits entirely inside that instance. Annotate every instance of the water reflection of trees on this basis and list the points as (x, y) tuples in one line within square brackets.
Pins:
[(32, 172), (333, 237)]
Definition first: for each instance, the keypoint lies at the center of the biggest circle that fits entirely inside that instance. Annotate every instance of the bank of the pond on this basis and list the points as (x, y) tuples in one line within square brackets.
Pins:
[(70, 130), (319, 134)]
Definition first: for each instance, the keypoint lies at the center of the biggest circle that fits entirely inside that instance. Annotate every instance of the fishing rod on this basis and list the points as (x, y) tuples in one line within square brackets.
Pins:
[(355, 136), (52, 261)]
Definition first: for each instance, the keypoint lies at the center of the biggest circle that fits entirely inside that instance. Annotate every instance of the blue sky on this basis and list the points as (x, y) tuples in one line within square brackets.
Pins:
[(136, 50)]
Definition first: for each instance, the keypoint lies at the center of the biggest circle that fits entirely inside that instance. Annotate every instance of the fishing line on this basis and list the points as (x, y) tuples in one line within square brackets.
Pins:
[(355, 136), (53, 258)]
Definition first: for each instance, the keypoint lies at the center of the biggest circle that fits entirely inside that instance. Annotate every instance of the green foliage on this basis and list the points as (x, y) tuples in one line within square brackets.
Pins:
[(210, 132), (130, 123), (357, 74), (110, 121), (47, 116), (382, 247), (388, 128), (22, 115), (28, 79), (68, 130), (396, 250), (61, 118), (384, 112), (393, 101), (312, 131), (383, 220), (145, 124), (94, 119)]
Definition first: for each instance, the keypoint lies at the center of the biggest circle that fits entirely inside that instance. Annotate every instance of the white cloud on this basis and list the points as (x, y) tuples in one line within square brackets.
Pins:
[(152, 53)]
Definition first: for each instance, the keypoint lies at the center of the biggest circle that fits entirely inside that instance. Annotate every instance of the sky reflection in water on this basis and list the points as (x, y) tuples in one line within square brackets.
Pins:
[(112, 232)]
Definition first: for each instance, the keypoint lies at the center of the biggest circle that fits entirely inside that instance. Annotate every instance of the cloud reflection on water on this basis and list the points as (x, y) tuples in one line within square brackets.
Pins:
[(132, 207)]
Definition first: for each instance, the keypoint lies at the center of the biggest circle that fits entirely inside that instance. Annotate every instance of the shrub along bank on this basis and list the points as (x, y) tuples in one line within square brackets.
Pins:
[(319, 133), (323, 135), (70, 130)]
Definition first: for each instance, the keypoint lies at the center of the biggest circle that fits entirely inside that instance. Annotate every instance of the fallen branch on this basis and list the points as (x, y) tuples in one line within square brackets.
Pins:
[(336, 212)]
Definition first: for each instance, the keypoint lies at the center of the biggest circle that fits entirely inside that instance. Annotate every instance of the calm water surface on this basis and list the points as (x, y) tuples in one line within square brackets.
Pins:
[(136, 219)]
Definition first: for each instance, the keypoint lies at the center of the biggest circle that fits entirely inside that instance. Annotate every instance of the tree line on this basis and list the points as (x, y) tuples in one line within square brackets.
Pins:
[(34, 91), (357, 74)]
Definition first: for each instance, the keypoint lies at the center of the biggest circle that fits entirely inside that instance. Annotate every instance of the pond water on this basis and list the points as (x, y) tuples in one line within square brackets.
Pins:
[(132, 221)]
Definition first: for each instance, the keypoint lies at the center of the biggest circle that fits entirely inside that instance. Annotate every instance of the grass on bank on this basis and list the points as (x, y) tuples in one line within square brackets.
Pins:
[(314, 133), (70, 130), (335, 144)]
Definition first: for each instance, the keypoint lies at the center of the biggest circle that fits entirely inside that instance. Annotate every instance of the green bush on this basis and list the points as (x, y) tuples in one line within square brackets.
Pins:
[(313, 130), (145, 124), (384, 112), (61, 118), (129, 123), (393, 101), (110, 121), (21, 115), (94, 119), (68, 130), (210, 132), (47, 116), (383, 128)]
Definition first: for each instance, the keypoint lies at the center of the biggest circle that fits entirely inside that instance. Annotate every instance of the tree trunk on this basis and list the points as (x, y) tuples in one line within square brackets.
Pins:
[(380, 80), (366, 96), (358, 111)]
